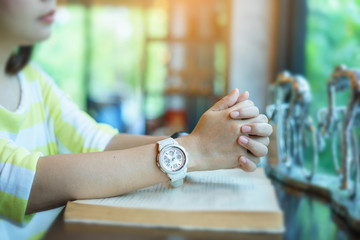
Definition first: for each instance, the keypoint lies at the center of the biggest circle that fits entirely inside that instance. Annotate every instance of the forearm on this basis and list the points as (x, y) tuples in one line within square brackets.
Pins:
[(212, 145), (125, 141), (61, 178)]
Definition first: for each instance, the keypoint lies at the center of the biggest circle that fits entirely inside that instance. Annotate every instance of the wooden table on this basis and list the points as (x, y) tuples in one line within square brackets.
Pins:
[(306, 217)]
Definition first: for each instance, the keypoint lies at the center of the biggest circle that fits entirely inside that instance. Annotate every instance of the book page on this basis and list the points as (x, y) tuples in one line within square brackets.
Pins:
[(221, 190)]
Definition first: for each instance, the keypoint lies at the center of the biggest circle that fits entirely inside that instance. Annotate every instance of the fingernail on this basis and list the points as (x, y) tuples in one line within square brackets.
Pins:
[(243, 160), (244, 140), (234, 114), (246, 129)]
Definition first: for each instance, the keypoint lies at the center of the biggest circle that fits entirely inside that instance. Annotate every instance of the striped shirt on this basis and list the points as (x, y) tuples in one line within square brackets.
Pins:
[(46, 122)]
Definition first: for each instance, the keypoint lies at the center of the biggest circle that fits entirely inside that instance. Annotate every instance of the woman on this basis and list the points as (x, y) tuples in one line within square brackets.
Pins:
[(51, 152)]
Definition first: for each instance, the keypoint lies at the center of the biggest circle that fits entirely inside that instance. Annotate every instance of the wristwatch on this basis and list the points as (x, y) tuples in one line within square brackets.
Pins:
[(172, 159)]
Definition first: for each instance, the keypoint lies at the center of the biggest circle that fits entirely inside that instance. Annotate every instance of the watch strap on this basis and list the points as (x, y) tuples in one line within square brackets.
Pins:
[(176, 179), (179, 134), (177, 183), (165, 142)]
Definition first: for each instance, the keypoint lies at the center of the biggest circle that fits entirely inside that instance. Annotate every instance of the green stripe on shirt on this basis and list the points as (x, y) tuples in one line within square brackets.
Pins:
[(17, 156), (8, 201)]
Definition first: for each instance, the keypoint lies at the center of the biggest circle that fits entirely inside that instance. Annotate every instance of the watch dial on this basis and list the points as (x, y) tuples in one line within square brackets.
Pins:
[(173, 159)]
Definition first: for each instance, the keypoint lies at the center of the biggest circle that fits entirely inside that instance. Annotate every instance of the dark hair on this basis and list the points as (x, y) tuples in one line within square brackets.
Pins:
[(18, 60)]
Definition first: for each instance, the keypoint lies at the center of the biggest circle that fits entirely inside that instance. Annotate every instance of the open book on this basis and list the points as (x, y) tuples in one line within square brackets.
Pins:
[(226, 200)]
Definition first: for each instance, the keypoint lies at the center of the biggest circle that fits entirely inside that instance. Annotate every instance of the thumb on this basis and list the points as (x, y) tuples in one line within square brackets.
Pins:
[(244, 96), (227, 101)]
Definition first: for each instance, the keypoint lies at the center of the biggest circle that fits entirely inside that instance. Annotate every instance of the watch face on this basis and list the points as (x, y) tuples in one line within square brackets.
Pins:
[(172, 159)]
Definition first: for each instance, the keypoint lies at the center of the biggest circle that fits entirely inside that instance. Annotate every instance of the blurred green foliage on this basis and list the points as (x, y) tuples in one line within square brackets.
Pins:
[(112, 51), (61, 56), (116, 50), (333, 38), (154, 85)]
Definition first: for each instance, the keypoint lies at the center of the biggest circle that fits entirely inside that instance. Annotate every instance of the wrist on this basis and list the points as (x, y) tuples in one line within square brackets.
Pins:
[(190, 144)]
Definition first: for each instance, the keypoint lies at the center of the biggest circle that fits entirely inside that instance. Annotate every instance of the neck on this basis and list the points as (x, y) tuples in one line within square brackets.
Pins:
[(5, 53)]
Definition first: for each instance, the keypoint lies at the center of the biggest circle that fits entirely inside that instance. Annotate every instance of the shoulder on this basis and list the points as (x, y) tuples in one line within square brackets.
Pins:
[(50, 92), (33, 72)]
